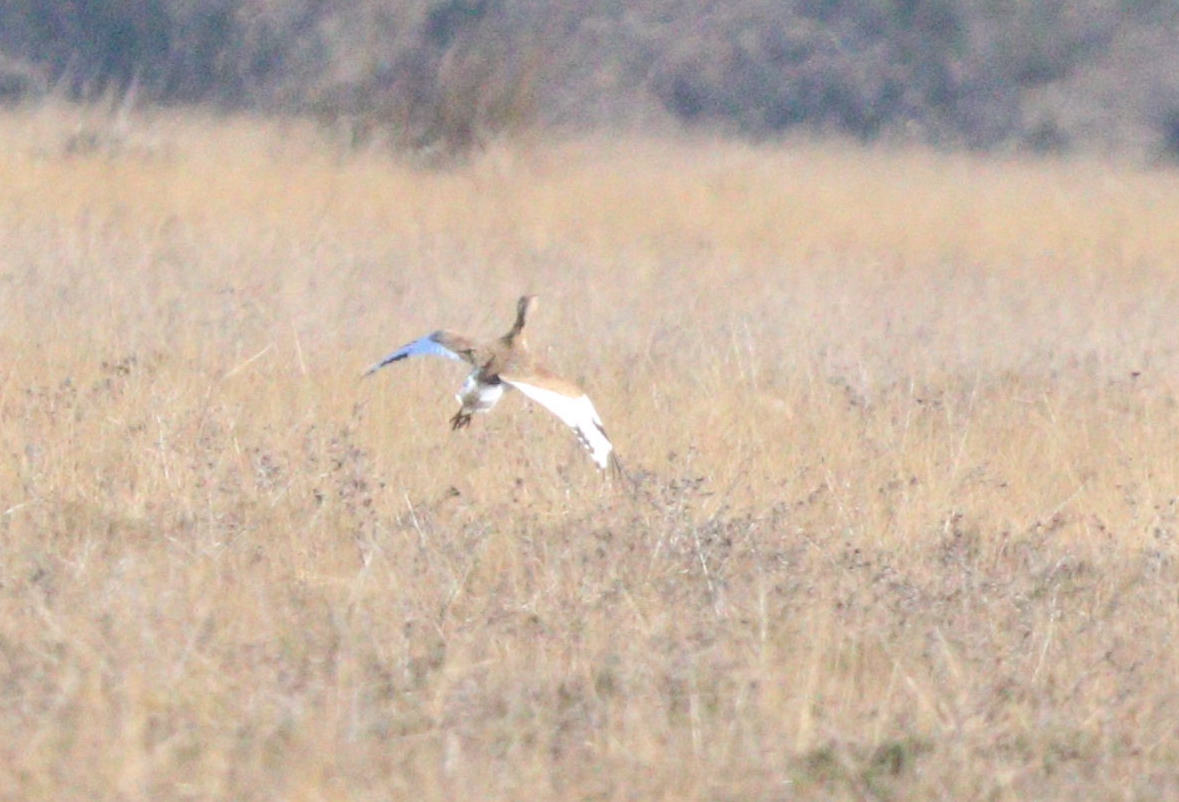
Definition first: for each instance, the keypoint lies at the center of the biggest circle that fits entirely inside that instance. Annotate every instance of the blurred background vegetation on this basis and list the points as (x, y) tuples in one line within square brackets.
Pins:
[(446, 75)]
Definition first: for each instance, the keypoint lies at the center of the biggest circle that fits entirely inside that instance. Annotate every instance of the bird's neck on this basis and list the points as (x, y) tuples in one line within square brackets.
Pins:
[(516, 333), (515, 340)]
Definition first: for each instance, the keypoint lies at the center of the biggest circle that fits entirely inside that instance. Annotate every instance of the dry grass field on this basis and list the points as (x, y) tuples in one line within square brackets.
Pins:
[(901, 428)]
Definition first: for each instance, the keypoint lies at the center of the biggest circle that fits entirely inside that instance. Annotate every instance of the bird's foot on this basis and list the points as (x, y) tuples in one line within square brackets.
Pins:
[(460, 420)]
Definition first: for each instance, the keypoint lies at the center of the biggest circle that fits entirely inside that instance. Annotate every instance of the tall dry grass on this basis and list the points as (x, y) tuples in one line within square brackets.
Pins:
[(902, 428)]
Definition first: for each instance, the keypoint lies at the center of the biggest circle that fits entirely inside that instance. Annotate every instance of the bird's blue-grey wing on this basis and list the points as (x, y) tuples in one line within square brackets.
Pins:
[(430, 345)]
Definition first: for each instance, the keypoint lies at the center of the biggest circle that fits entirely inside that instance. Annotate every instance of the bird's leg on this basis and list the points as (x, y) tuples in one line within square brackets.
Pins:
[(461, 419)]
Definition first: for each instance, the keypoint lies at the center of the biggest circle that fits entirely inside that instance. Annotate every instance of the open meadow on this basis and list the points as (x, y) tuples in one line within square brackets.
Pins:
[(901, 429)]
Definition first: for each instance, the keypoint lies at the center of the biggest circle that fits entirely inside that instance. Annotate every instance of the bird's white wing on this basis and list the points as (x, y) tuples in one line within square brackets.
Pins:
[(577, 412), (424, 346)]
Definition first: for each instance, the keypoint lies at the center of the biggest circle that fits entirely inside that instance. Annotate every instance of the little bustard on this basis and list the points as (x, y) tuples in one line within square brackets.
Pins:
[(505, 363)]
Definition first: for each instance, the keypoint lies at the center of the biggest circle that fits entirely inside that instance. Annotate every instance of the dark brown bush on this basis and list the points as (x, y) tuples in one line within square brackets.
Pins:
[(444, 75)]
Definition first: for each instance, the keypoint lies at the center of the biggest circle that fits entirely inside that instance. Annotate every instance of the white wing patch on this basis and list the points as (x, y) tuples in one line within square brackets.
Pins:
[(424, 346), (576, 412)]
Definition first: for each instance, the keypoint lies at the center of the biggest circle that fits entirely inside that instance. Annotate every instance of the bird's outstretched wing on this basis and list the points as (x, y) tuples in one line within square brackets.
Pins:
[(569, 403), (440, 343)]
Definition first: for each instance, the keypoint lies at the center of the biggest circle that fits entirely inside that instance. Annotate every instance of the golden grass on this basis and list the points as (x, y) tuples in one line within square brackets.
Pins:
[(902, 426)]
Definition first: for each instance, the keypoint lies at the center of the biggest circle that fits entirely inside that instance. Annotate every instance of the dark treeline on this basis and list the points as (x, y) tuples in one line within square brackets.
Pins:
[(1037, 74)]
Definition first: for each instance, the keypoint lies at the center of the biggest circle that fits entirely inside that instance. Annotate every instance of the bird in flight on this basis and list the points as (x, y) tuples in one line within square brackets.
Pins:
[(506, 363)]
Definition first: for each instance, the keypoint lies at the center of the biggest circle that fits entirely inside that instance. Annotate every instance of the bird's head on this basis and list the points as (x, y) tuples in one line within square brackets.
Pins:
[(525, 305)]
